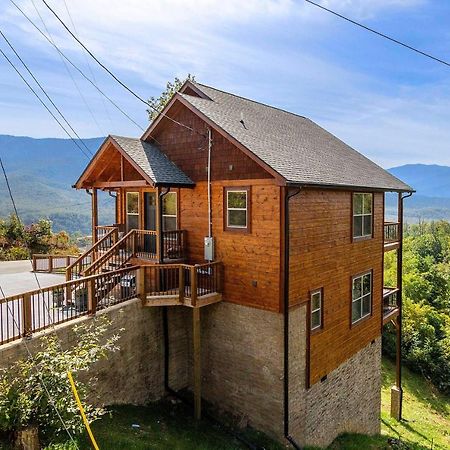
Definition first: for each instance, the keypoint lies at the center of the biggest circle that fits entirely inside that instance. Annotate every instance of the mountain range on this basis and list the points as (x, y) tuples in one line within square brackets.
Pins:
[(41, 173)]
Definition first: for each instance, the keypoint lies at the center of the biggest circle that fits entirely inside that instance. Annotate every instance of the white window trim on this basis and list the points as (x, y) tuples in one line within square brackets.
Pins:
[(242, 227), (318, 291), (362, 296), (363, 214), (176, 210)]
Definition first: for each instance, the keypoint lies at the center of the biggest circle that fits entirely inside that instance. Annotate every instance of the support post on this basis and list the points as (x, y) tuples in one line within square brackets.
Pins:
[(181, 283), (94, 215), (50, 264), (92, 301), (141, 283), (26, 316), (197, 363), (194, 286)]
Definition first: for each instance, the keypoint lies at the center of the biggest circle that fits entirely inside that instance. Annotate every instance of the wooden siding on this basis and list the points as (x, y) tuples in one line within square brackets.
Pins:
[(324, 256), (189, 150), (249, 258)]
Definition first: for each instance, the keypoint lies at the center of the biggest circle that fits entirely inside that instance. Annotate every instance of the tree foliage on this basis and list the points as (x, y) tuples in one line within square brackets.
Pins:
[(158, 104), (426, 304)]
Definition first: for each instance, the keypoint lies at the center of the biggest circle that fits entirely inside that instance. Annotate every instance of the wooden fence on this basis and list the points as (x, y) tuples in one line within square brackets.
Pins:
[(52, 263)]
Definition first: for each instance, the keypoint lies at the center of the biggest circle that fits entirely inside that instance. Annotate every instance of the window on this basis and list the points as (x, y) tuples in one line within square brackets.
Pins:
[(316, 309), (362, 215), (361, 296), (132, 210), (169, 211), (237, 209)]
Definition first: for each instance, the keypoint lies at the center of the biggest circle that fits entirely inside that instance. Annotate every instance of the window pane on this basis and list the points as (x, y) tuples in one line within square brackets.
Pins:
[(367, 203), (357, 203), (315, 301), (237, 199), (169, 223), (170, 204), (237, 218), (315, 319), (357, 226), (366, 305), (132, 222), (366, 284), (356, 310), (356, 288), (367, 225), (132, 202)]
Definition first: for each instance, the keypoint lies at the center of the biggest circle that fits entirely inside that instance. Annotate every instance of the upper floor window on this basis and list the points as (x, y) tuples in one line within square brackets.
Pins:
[(362, 215), (237, 208), (361, 296), (316, 309), (132, 210), (169, 211)]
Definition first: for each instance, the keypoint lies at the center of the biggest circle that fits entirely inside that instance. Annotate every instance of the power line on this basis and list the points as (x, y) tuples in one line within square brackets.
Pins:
[(70, 73), (43, 103), (378, 33), (113, 75), (44, 91), (75, 67)]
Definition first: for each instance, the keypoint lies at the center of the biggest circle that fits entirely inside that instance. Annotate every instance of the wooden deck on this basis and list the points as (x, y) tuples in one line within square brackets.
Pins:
[(390, 304)]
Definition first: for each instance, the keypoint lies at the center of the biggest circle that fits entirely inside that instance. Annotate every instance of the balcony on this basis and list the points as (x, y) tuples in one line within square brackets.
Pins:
[(390, 304), (391, 235)]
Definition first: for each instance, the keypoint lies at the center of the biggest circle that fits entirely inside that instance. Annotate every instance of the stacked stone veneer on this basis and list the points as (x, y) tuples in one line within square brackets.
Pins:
[(242, 369)]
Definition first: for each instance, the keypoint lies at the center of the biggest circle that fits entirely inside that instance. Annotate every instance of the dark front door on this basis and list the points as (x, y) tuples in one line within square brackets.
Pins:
[(150, 221)]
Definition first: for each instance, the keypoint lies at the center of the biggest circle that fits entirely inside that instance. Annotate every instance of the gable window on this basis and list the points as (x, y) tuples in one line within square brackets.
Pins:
[(169, 211), (361, 296), (237, 209), (316, 309), (132, 210), (362, 215)]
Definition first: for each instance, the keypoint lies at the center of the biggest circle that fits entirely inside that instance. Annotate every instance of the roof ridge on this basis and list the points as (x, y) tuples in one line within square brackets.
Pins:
[(251, 100)]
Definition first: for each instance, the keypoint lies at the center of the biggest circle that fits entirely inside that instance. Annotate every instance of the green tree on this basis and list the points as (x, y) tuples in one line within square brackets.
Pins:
[(158, 104)]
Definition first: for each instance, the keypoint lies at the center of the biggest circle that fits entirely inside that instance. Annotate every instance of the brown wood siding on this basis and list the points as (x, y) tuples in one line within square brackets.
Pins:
[(247, 257), (189, 150), (323, 255)]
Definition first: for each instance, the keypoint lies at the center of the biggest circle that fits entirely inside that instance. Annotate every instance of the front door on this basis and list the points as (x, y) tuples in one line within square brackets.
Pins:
[(150, 221)]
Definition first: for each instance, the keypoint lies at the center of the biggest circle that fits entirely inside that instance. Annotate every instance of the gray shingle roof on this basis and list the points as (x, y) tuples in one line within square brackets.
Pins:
[(155, 164), (295, 147)]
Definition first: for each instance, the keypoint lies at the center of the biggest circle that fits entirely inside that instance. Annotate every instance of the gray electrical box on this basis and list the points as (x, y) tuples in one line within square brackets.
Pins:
[(209, 248)]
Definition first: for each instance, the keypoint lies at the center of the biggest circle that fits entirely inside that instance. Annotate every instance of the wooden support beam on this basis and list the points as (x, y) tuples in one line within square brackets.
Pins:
[(94, 215), (197, 363), (117, 184)]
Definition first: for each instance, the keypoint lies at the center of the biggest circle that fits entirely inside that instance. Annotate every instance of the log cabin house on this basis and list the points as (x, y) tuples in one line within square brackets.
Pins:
[(271, 231)]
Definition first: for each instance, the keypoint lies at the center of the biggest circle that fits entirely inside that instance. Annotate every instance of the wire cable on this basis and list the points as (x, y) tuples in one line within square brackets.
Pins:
[(113, 75), (44, 91), (43, 103), (76, 67), (378, 33), (80, 93)]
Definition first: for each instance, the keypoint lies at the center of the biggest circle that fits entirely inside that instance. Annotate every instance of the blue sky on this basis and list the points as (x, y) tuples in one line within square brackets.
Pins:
[(387, 102)]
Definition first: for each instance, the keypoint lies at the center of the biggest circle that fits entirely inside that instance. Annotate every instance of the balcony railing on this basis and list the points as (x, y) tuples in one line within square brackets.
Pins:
[(391, 233), (52, 263), (390, 302)]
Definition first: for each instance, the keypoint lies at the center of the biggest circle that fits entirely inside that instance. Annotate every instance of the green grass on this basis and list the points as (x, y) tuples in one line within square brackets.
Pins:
[(165, 425)]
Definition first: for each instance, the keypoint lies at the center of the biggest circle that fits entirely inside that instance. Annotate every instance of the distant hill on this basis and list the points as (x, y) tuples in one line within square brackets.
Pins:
[(41, 173)]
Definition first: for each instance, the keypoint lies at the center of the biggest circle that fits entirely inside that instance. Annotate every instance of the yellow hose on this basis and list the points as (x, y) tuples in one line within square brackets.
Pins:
[(83, 415)]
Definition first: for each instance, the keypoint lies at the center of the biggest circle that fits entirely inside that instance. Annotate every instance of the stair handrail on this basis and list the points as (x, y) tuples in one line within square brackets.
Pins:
[(100, 261), (114, 234)]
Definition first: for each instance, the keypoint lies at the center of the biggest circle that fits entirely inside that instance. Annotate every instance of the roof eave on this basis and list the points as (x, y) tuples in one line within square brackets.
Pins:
[(347, 187)]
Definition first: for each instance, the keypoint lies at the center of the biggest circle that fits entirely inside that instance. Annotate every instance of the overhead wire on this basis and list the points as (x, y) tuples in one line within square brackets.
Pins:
[(75, 66), (43, 103), (44, 91), (74, 82), (379, 33)]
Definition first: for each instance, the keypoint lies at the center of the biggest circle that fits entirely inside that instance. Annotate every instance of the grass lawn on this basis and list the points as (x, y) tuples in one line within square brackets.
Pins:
[(171, 426)]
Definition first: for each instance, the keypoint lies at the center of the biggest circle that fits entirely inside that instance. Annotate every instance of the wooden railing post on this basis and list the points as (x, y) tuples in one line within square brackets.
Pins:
[(50, 264), (34, 263), (27, 315), (92, 301), (181, 283), (219, 278), (194, 285), (140, 283)]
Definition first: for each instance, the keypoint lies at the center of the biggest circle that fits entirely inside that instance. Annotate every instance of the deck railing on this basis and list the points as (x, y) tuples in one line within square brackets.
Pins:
[(391, 232), (183, 281), (52, 263), (78, 267), (146, 244), (24, 314), (390, 300), (174, 244), (102, 230)]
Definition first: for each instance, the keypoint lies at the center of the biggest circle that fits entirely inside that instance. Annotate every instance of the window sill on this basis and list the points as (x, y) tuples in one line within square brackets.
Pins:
[(362, 320), (362, 238)]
